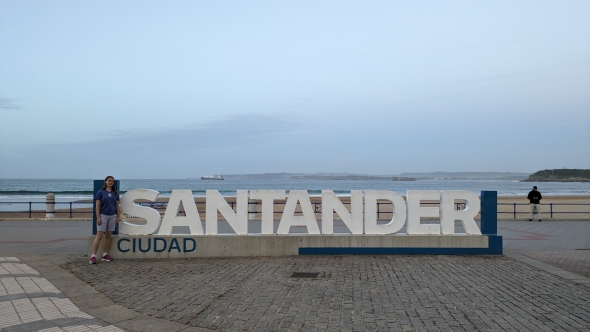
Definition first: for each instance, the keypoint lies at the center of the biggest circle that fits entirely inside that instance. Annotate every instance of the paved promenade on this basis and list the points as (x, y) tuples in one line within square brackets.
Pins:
[(29, 302), (540, 284)]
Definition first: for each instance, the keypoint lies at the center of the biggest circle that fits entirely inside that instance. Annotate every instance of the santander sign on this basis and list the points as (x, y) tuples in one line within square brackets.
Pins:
[(360, 219)]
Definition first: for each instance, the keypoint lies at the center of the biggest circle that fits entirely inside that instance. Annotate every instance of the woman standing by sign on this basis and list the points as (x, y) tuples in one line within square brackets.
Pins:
[(108, 215)]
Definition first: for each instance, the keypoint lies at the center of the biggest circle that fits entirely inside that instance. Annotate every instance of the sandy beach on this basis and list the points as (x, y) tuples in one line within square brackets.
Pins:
[(552, 208)]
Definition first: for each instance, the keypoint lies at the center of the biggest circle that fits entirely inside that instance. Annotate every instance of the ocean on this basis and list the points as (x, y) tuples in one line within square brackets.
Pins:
[(15, 192)]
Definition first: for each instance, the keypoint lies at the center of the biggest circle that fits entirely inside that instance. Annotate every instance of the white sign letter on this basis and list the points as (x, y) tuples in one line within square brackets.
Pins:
[(308, 219), (237, 220), (191, 218), (415, 211), (151, 216), (449, 214), (399, 212), (353, 219), (267, 198)]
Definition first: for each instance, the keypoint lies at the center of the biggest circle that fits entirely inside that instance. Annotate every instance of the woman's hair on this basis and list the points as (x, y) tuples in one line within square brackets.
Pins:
[(104, 185)]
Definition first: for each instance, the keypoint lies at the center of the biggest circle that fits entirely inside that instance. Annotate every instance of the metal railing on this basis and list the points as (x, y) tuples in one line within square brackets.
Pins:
[(70, 208), (551, 212), (317, 207)]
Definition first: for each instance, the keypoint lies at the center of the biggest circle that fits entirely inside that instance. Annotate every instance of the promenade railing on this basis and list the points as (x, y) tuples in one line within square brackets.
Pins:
[(515, 211), (68, 209), (77, 209)]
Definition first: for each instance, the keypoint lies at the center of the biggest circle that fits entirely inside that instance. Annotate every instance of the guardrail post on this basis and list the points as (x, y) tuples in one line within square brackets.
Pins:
[(30, 209), (514, 210), (49, 206), (70, 210), (551, 209)]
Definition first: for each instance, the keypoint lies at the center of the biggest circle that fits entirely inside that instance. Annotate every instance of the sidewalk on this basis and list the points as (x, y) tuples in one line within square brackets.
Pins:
[(29, 302), (78, 307), (526, 289)]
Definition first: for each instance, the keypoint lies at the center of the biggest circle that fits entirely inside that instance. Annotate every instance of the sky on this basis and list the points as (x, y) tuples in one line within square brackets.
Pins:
[(160, 89)]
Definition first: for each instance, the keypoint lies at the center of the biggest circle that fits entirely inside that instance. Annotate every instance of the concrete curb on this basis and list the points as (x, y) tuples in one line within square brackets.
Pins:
[(548, 268), (94, 303)]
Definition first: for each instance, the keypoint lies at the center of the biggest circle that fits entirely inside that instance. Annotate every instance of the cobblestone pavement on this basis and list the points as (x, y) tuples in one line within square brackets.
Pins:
[(29, 302), (577, 261), (386, 293)]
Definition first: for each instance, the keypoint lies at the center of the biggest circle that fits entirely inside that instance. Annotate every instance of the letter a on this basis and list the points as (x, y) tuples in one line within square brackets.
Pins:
[(171, 217), (288, 219)]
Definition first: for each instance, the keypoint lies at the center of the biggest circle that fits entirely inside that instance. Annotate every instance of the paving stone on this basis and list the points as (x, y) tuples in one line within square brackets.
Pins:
[(113, 313), (410, 293)]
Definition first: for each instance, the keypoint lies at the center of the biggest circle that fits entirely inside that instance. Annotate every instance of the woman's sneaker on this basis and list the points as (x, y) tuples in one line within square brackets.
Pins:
[(107, 258), (92, 260)]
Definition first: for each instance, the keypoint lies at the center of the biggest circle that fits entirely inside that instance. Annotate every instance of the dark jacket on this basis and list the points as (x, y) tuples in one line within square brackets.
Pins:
[(534, 197)]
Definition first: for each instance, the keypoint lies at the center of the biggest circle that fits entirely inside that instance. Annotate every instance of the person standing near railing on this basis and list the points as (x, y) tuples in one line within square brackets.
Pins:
[(535, 198), (108, 215)]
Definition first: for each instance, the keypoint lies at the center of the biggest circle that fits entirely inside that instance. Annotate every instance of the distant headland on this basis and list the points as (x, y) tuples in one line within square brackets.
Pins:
[(513, 176), (351, 177), (560, 175)]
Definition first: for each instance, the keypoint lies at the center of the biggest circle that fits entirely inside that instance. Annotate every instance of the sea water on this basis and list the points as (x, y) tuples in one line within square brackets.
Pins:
[(14, 193)]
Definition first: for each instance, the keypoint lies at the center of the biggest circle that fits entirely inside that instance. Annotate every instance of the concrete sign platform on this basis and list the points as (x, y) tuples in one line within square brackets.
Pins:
[(187, 246)]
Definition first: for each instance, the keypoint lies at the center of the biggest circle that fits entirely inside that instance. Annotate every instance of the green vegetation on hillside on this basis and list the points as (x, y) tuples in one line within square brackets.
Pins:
[(560, 175)]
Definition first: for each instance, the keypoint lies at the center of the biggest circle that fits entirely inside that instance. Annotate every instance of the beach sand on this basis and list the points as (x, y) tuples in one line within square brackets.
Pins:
[(563, 207)]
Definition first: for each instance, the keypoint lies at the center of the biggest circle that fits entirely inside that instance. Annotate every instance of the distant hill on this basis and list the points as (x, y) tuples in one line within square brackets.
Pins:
[(467, 176), (279, 176), (396, 177), (560, 175), (261, 177)]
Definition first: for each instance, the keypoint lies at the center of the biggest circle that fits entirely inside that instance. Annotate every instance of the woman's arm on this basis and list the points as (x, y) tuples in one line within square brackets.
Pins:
[(98, 221)]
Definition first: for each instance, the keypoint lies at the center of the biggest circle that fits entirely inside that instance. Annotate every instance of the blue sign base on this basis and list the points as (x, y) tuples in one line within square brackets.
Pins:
[(495, 248)]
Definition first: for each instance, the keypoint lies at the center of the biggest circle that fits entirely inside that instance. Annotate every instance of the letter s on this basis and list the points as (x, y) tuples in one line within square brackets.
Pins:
[(151, 216)]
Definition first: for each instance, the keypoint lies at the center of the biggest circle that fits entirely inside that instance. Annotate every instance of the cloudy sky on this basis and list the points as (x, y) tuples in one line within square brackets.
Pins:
[(159, 89)]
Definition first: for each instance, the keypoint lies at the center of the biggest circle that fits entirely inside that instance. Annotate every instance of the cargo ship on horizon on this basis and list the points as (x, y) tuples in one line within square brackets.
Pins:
[(215, 177)]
